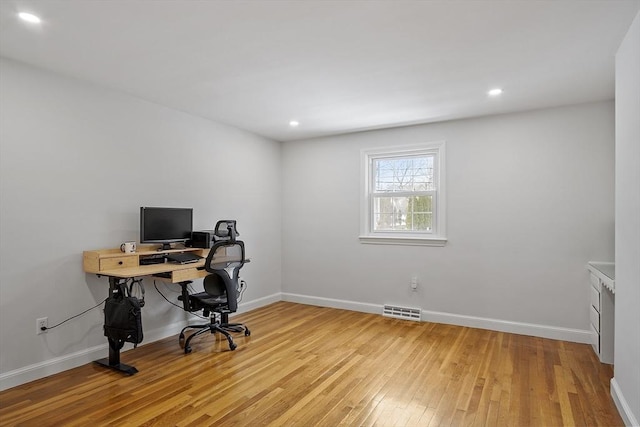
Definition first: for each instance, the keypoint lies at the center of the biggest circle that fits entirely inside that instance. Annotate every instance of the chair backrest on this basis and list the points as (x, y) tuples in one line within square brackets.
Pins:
[(225, 260), (225, 230)]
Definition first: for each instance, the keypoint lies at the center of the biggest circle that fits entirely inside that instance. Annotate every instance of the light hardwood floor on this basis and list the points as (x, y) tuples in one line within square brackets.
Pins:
[(306, 365)]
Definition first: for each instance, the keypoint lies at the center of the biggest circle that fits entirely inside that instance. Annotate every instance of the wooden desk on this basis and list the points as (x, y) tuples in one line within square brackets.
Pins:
[(119, 266), (114, 263)]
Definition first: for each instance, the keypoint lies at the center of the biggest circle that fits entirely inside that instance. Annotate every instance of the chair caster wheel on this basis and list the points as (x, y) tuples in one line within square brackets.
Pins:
[(187, 350), (232, 345), (247, 332)]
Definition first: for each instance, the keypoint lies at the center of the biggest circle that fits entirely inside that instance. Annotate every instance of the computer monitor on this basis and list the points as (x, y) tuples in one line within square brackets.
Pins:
[(165, 225)]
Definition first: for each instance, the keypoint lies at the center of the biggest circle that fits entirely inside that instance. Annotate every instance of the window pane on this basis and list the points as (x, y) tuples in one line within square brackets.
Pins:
[(413, 213), (411, 173)]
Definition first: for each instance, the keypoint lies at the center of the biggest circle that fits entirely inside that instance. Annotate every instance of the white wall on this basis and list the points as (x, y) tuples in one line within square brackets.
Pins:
[(76, 163), (530, 201), (626, 382)]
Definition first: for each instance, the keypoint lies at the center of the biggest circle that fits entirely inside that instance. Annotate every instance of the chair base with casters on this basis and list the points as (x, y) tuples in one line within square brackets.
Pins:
[(218, 319)]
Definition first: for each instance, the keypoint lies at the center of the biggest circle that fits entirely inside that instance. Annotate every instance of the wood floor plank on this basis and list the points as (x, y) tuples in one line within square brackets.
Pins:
[(315, 366)]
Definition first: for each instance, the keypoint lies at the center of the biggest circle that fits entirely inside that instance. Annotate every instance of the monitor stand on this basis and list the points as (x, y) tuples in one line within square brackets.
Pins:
[(165, 247)]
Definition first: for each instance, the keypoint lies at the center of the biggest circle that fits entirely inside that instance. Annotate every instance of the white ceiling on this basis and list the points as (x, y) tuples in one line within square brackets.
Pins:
[(335, 66)]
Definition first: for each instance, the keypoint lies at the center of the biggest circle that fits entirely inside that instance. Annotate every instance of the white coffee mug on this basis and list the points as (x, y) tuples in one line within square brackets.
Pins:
[(128, 247)]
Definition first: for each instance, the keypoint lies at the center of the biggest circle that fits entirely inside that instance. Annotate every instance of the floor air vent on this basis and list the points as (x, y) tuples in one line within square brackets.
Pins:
[(401, 312)]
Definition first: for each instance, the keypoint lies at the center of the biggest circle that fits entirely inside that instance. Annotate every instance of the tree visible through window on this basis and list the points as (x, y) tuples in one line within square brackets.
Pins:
[(403, 193)]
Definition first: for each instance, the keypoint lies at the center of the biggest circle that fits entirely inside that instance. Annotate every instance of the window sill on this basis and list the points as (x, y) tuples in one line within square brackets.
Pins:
[(403, 240)]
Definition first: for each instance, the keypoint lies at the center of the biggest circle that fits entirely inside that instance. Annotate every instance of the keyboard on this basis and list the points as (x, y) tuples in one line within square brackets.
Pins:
[(183, 257)]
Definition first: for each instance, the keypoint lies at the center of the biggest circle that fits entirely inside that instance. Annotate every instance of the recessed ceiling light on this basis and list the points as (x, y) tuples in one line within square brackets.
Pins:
[(495, 92), (29, 17), (293, 123)]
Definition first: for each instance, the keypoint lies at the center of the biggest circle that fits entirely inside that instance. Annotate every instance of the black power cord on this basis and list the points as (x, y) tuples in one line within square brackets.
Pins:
[(45, 328), (243, 287)]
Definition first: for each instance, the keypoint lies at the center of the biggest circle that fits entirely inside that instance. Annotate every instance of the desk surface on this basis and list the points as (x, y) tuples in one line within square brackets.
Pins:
[(606, 268), (606, 272), (151, 269), (115, 263)]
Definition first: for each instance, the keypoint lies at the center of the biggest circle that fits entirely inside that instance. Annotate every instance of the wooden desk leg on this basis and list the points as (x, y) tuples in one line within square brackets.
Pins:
[(113, 361)]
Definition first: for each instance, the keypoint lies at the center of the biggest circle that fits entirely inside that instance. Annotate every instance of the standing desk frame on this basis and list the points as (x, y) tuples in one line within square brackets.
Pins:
[(118, 266)]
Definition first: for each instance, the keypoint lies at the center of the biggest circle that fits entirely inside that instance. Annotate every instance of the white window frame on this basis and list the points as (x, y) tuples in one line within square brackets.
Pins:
[(437, 237)]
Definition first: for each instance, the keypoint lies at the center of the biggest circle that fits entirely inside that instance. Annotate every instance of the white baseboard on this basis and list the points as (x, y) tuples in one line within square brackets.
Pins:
[(543, 331), (333, 303), (69, 361), (52, 366), (79, 358), (531, 329), (623, 406), (243, 307)]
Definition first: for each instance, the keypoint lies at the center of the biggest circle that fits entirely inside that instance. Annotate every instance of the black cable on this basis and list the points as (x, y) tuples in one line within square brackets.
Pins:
[(103, 301), (174, 304), (242, 289), (73, 317)]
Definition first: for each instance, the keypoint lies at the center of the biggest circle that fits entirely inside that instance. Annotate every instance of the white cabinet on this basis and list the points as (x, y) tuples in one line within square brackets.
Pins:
[(601, 311)]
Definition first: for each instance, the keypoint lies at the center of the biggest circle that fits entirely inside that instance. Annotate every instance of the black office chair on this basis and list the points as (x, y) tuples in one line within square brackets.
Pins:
[(221, 289)]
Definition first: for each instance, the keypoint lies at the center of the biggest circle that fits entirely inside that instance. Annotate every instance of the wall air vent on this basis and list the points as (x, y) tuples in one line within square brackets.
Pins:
[(402, 312)]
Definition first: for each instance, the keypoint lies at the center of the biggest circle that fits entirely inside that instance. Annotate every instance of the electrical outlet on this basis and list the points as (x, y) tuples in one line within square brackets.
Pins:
[(414, 283), (42, 322)]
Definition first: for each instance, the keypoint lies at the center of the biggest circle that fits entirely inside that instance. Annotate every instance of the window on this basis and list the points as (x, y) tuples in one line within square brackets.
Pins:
[(403, 195)]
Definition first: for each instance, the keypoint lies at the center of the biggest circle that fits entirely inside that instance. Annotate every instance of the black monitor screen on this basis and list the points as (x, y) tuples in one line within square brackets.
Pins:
[(164, 225)]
